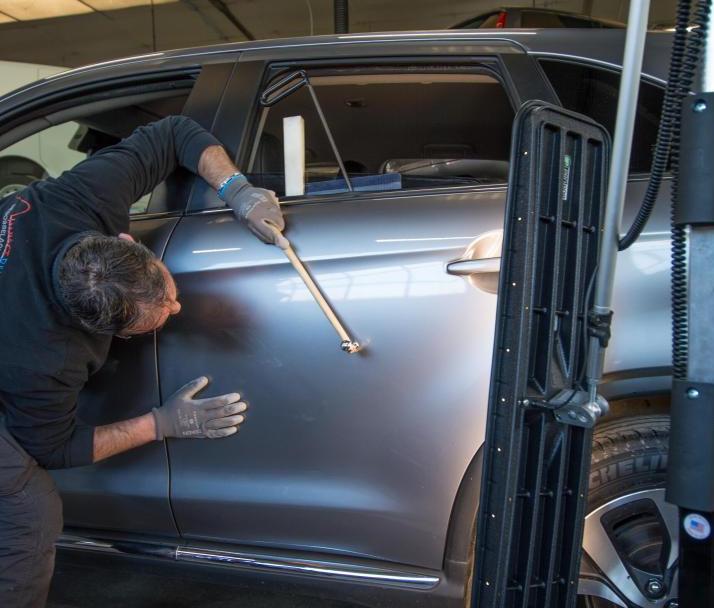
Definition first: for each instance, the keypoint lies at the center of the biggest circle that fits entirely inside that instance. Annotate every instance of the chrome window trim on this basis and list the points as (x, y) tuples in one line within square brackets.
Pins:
[(397, 194), (385, 195)]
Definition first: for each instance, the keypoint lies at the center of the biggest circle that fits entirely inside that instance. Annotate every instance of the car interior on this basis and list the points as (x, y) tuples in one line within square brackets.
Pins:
[(386, 144), (87, 128), (105, 128)]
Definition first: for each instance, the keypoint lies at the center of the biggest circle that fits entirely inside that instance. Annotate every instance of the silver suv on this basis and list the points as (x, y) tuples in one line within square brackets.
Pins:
[(357, 476)]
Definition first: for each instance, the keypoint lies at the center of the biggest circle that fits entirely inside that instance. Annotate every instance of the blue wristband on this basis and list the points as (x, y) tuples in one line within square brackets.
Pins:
[(225, 183)]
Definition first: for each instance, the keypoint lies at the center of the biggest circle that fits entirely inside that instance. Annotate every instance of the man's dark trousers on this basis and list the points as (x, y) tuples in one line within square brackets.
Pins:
[(30, 523)]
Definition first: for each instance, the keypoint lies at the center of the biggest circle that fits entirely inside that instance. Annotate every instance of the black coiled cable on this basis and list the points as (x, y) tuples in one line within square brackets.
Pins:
[(342, 18), (680, 326), (689, 38), (669, 117)]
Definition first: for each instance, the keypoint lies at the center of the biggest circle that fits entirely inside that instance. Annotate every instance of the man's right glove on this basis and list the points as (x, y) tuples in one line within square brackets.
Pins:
[(183, 416), (256, 207)]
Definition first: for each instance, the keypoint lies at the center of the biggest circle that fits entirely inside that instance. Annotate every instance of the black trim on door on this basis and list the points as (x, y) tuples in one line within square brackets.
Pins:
[(202, 105), (235, 113)]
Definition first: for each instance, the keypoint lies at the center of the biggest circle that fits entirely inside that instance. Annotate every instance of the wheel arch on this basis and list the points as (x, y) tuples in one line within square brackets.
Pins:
[(637, 392), (461, 536)]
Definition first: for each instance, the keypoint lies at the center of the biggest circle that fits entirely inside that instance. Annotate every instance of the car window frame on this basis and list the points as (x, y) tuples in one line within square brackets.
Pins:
[(605, 66), (40, 111), (508, 68), (275, 72)]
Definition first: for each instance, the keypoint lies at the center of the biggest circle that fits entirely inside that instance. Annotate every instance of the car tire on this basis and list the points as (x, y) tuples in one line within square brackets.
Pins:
[(12, 179), (631, 534)]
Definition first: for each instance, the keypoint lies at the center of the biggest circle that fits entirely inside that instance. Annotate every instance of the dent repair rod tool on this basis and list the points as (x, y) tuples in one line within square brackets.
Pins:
[(347, 344)]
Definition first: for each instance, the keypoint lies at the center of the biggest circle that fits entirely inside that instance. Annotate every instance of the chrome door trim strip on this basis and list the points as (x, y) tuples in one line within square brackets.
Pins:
[(281, 565), (68, 541), (313, 568)]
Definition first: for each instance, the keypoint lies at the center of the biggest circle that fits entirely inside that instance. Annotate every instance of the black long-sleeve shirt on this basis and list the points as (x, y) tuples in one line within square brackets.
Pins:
[(45, 356)]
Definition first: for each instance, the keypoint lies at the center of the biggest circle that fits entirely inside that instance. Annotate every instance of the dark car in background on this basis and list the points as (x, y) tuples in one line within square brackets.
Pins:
[(530, 17), (358, 476)]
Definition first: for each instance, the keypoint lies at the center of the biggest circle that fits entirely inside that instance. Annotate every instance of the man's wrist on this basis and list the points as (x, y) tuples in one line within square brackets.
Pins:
[(121, 436), (233, 181), (155, 414), (148, 426)]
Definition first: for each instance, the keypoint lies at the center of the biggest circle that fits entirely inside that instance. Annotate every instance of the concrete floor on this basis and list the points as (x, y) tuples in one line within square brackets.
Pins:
[(82, 586)]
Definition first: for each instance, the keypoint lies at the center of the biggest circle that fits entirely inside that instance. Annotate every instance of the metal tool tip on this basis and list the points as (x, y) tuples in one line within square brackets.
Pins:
[(350, 347)]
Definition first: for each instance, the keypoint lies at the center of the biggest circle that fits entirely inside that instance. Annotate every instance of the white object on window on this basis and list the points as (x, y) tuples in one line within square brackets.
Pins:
[(294, 154)]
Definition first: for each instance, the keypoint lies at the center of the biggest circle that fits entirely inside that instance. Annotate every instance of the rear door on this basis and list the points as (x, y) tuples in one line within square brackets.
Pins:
[(129, 492), (355, 454)]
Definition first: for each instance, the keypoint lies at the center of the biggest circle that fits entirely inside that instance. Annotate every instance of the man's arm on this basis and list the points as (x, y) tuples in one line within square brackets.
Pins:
[(215, 166), (257, 207), (107, 183), (119, 437)]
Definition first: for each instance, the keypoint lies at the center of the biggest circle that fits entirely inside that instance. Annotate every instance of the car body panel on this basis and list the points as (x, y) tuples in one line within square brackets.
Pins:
[(641, 322), (358, 454)]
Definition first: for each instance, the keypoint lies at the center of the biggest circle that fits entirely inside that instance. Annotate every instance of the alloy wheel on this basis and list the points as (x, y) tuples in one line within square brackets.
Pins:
[(630, 553)]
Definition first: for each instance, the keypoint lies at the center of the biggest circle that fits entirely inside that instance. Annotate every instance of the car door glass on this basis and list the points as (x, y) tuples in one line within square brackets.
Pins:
[(594, 92), (393, 131), (50, 152), (44, 154)]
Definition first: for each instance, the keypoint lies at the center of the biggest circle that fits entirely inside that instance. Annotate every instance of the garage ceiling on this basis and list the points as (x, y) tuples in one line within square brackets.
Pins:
[(27, 10), (76, 32)]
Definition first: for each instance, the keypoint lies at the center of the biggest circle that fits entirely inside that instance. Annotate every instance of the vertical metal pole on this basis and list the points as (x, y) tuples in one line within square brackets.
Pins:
[(331, 139), (619, 166)]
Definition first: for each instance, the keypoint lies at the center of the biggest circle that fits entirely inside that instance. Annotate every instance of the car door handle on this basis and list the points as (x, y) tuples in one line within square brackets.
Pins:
[(468, 267)]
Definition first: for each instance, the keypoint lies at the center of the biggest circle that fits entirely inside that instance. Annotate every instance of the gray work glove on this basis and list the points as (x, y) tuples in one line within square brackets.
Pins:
[(183, 416), (258, 208)]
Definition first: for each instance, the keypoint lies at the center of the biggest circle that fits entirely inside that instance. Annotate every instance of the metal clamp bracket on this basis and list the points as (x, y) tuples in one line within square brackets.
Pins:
[(599, 325), (576, 408)]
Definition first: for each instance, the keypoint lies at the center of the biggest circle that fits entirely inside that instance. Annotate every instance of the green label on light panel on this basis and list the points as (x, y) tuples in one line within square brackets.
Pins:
[(567, 161)]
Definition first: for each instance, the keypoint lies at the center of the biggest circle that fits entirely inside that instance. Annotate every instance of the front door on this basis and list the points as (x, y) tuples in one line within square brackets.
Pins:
[(355, 454)]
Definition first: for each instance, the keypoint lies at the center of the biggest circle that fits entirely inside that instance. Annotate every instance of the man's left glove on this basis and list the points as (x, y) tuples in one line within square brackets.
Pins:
[(257, 207), (184, 417)]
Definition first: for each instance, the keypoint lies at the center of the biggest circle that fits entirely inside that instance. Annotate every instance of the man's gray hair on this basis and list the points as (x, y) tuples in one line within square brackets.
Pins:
[(107, 283)]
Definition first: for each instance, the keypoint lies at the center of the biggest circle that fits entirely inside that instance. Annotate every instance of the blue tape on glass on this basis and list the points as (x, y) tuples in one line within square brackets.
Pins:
[(365, 183)]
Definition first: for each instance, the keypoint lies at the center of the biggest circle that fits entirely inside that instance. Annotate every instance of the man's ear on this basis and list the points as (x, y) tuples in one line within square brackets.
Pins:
[(126, 237)]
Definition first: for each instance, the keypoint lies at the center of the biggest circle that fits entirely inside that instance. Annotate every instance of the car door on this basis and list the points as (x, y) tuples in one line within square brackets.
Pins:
[(356, 454), (129, 492)]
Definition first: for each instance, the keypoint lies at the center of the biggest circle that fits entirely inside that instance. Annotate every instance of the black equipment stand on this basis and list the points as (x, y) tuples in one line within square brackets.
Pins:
[(553, 324), (540, 417), (561, 238), (690, 476)]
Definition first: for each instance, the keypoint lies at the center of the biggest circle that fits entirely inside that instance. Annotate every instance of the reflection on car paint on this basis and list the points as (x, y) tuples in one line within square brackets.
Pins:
[(386, 282)]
